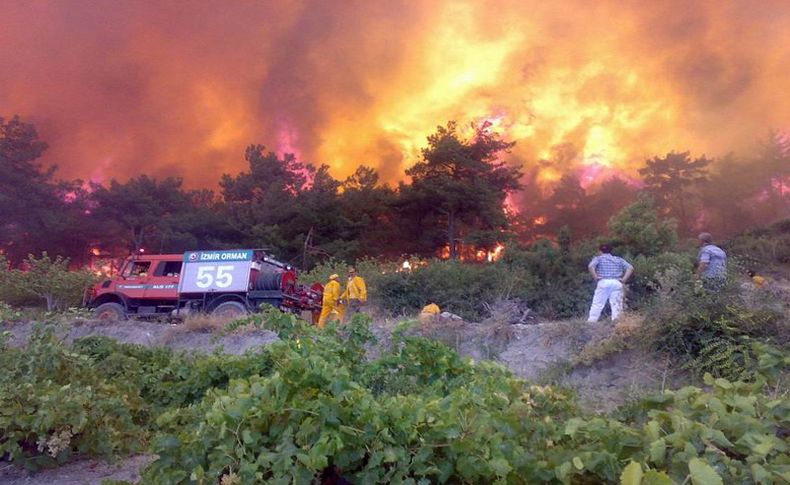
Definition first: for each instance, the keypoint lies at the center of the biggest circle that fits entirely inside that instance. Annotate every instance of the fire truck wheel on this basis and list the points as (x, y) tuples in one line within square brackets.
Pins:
[(110, 311), (230, 309)]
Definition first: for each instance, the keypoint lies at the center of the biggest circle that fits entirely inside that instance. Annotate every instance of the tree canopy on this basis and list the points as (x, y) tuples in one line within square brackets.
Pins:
[(452, 202), (464, 183)]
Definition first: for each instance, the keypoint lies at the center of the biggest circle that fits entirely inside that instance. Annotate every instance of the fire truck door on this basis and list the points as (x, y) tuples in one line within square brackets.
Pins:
[(135, 279), (163, 282)]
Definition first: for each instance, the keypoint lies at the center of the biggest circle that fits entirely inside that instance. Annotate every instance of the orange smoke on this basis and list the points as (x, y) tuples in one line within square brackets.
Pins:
[(172, 88)]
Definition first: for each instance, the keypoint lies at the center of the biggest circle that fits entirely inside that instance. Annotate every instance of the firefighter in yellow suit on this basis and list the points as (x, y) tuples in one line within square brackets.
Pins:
[(330, 303), (354, 296)]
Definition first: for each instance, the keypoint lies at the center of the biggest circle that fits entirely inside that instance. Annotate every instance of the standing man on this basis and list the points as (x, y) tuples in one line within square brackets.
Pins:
[(712, 263), (356, 292), (329, 303), (611, 273)]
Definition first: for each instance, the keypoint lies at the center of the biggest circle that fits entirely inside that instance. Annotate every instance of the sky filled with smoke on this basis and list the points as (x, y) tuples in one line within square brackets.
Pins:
[(119, 88)]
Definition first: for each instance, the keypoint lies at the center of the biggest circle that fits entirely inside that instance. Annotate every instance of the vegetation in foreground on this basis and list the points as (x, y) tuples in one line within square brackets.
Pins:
[(312, 407)]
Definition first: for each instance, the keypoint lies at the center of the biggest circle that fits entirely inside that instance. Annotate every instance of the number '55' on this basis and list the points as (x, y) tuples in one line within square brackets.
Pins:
[(222, 279)]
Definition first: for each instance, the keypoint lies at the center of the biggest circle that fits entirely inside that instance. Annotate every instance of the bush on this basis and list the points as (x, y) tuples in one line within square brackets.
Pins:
[(648, 271), (455, 286), (45, 279), (312, 408), (731, 433), (164, 378), (420, 413), (709, 331), (9, 314), (562, 287), (54, 404), (99, 397), (638, 229), (763, 248)]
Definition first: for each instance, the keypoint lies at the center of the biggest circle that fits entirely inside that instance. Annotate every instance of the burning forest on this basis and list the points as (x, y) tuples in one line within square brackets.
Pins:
[(404, 241), (146, 102)]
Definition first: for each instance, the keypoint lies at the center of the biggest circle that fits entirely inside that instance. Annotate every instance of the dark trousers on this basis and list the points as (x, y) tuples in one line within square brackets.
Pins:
[(354, 306)]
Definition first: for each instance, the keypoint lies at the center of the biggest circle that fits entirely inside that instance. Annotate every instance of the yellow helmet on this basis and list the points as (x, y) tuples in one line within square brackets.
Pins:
[(334, 276)]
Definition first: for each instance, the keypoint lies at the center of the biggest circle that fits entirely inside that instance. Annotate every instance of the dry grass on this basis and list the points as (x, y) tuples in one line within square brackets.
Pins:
[(623, 337), (489, 338)]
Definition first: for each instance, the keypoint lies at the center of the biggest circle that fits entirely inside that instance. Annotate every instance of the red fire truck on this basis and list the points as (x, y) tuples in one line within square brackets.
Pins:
[(228, 283)]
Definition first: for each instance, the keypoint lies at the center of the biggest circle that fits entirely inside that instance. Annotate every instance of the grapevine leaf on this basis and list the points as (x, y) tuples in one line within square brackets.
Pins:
[(632, 474), (573, 425), (653, 477), (658, 450), (703, 474), (500, 466)]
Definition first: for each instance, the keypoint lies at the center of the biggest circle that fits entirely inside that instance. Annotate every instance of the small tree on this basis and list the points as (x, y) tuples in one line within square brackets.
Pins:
[(671, 179), (638, 229), (464, 183), (51, 280)]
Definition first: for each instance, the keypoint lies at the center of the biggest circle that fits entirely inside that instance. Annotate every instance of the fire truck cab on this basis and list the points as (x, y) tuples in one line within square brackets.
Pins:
[(229, 283)]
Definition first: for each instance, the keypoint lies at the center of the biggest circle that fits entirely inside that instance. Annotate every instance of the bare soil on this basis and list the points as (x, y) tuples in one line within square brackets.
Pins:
[(79, 472), (151, 334)]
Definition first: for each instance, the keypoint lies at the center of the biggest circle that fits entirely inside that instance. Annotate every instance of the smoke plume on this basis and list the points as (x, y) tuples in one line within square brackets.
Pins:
[(118, 88)]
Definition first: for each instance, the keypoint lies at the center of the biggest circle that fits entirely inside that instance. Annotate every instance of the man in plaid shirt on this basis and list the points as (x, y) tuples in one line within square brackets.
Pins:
[(611, 273)]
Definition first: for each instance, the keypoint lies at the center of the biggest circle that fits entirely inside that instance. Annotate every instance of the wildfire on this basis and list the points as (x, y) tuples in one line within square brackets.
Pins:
[(496, 253), (574, 86), (444, 253)]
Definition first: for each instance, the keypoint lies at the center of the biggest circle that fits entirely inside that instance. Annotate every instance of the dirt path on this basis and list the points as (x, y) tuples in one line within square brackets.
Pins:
[(150, 334), (80, 472)]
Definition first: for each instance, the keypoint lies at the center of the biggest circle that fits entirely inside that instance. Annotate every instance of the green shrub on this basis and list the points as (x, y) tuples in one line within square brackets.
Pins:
[(457, 287), (763, 247), (53, 404), (551, 279), (312, 408), (45, 280), (638, 229), (648, 271), (9, 314), (420, 413), (562, 287), (707, 331), (731, 433), (165, 378)]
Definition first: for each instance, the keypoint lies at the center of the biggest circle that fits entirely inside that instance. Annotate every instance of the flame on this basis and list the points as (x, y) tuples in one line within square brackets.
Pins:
[(444, 252), (496, 253), (164, 90)]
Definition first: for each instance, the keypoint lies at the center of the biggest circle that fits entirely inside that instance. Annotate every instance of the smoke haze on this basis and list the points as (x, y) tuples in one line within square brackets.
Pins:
[(119, 88)]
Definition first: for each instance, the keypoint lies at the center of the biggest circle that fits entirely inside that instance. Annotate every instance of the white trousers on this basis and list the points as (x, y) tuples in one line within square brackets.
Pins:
[(607, 290)]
